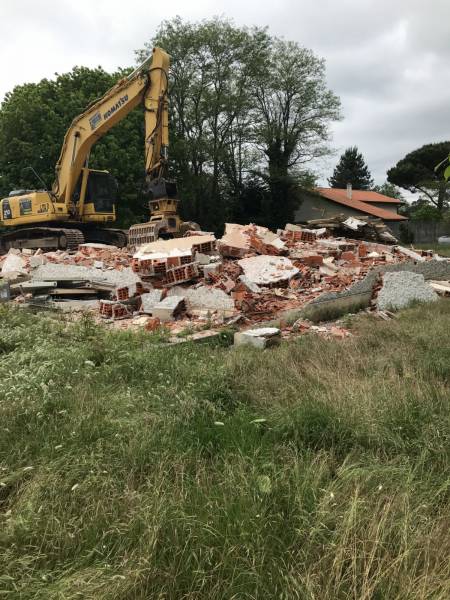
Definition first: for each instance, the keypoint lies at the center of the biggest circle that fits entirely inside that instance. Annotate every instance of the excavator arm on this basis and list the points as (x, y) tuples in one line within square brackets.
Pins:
[(147, 84)]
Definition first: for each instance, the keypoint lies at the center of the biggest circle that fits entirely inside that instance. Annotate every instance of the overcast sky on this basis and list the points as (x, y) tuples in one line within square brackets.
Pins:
[(389, 61)]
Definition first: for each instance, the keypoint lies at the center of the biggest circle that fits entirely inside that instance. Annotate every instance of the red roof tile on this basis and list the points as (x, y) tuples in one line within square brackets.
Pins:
[(365, 195), (356, 202)]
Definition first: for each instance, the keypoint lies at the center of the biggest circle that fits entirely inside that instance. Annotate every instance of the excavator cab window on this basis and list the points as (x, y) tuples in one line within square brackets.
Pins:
[(102, 191)]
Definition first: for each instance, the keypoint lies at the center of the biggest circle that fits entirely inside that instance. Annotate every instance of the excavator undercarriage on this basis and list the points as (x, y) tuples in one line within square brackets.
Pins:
[(60, 238)]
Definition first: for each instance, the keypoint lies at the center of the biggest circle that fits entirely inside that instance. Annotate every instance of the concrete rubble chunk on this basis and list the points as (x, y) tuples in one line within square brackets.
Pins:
[(238, 240), (292, 227), (14, 263), (37, 260), (169, 308), (211, 269), (441, 287), (212, 299), (29, 286), (400, 289), (252, 287), (268, 270), (234, 242), (61, 272), (150, 299), (410, 253), (258, 338), (205, 259)]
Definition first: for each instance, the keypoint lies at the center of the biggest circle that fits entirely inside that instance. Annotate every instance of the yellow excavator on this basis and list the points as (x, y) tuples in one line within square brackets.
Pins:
[(82, 201)]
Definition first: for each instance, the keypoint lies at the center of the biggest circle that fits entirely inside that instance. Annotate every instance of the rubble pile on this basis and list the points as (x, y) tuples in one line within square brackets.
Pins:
[(249, 276), (363, 227)]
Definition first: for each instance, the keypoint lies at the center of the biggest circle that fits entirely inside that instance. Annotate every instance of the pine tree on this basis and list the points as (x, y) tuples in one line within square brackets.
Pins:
[(351, 168)]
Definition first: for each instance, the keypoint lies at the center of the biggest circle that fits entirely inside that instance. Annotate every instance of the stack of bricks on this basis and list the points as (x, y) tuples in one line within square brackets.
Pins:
[(111, 309), (159, 267), (299, 236), (122, 293), (182, 273), (106, 308), (204, 248)]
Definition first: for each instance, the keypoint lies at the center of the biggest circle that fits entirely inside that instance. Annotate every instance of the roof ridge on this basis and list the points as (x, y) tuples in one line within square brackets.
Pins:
[(360, 205)]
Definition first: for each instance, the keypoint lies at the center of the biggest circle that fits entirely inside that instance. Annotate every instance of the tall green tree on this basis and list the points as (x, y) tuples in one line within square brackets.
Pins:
[(351, 168), (33, 121), (416, 173), (244, 105), (213, 64), (292, 114)]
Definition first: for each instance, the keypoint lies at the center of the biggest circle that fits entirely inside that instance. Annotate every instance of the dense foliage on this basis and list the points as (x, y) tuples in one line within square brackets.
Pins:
[(316, 470), (416, 173), (248, 112), (351, 168)]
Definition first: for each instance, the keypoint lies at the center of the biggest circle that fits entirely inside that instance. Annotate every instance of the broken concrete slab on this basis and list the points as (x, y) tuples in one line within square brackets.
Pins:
[(410, 253), (211, 269), (150, 299), (198, 337), (31, 286), (169, 308), (401, 289), (268, 270), (258, 338), (61, 272), (212, 299), (14, 263), (252, 287), (37, 260), (441, 287), (234, 242)]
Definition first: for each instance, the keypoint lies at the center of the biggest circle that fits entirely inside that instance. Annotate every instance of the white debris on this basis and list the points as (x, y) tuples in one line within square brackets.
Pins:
[(213, 299), (410, 253), (354, 224), (266, 270), (258, 338), (14, 263)]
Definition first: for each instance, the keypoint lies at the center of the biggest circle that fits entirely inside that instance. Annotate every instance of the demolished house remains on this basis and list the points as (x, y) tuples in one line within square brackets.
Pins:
[(249, 277)]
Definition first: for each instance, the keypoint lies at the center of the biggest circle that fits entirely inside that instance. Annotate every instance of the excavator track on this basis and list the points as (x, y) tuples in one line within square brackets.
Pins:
[(47, 238)]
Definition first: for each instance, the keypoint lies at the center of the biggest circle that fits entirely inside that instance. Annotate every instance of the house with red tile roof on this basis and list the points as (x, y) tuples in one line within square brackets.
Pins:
[(323, 203)]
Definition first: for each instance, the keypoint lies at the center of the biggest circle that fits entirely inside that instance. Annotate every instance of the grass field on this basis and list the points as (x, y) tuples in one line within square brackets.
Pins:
[(316, 470)]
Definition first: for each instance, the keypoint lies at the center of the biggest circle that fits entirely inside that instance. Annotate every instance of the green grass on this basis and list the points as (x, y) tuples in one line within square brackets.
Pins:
[(315, 470), (442, 249)]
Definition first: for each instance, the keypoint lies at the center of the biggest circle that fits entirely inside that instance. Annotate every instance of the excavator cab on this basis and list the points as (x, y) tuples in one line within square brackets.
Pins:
[(95, 196)]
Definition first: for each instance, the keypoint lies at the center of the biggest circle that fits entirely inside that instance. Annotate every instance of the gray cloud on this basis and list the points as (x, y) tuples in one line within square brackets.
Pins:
[(388, 61)]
